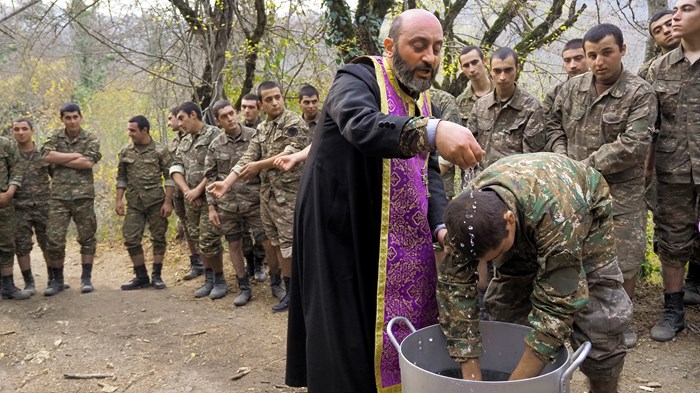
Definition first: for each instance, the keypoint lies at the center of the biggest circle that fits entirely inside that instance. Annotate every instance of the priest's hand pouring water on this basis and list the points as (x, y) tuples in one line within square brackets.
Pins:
[(457, 145)]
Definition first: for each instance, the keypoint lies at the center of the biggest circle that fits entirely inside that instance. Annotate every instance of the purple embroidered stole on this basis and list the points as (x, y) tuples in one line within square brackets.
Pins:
[(407, 272)]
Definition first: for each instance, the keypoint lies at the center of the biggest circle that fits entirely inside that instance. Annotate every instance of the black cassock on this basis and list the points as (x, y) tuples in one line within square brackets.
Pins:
[(330, 340)]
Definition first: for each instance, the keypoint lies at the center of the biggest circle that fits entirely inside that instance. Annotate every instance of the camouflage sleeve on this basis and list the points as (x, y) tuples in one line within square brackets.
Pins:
[(473, 122), (555, 137), (49, 145), (534, 137), (166, 161), (252, 153), (92, 151), (459, 308), (17, 167), (211, 172), (644, 70), (299, 140), (122, 180), (414, 137), (450, 111), (548, 100), (630, 147)]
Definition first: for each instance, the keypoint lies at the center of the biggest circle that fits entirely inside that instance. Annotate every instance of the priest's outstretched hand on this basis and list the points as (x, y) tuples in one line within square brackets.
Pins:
[(457, 145)]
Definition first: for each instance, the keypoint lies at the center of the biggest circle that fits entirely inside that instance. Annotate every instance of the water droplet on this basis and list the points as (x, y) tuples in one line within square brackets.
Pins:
[(430, 339)]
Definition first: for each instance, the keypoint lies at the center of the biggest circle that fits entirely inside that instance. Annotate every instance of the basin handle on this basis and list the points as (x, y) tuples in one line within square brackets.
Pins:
[(390, 333), (578, 357)]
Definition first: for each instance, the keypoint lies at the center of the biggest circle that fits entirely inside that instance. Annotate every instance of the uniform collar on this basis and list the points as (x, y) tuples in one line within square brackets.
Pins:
[(516, 101), (64, 134), (617, 90), (676, 55)]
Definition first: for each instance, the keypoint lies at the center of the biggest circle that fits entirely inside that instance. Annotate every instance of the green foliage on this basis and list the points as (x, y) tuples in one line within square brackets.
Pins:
[(651, 267)]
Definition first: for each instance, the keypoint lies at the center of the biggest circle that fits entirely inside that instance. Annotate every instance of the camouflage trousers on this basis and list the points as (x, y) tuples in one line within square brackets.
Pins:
[(7, 236), (31, 221), (602, 322), (676, 222), (239, 225), (201, 230), (82, 211), (278, 222), (137, 217), (630, 239)]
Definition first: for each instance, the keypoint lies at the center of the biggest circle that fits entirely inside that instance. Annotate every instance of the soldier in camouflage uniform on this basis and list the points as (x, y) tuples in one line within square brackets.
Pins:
[(250, 106), (31, 201), (508, 120), (143, 165), (603, 118), (73, 152), (11, 172), (661, 32), (284, 132), (238, 212), (556, 267), (308, 101), (574, 64), (196, 267), (187, 172), (676, 79)]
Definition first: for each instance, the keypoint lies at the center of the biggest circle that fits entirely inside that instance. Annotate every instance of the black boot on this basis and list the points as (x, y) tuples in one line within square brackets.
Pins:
[(29, 284), (672, 320), (196, 268), (220, 287), (276, 286), (156, 280), (205, 289), (140, 280), (692, 283), (10, 291), (244, 293), (56, 284), (86, 279), (259, 274), (283, 305), (49, 274), (250, 264)]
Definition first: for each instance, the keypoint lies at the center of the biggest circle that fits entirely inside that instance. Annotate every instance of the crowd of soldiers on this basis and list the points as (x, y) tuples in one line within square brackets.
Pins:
[(239, 180)]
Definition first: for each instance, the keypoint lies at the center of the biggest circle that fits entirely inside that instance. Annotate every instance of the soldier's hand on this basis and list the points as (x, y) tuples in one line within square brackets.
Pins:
[(218, 189), (4, 199), (285, 163), (119, 208), (192, 195), (166, 210), (214, 218), (249, 171), (457, 145)]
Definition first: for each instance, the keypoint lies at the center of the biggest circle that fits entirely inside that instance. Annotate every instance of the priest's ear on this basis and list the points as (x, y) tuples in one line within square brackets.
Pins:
[(389, 46)]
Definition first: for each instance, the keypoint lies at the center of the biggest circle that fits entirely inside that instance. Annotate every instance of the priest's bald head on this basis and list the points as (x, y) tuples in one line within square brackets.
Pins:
[(414, 48)]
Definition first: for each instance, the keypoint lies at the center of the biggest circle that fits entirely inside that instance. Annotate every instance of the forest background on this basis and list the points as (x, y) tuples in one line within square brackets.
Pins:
[(121, 58)]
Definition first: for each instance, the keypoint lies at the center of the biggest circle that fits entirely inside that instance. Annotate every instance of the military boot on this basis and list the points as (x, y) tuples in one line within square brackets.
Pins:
[(672, 320), (283, 305), (276, 286), (29, 284), (49, 274), (205, 289), (250, 264), (220, 288), (10, 291), (56, 284), (259, 275), (156, 279), (244, 293), (196, 268), (691, 290), (140, 280), (86, 277)]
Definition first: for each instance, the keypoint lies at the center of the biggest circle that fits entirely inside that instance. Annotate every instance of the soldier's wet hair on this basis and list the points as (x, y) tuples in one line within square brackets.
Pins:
[(504, 53), (308, 91), (70, 107), (142, 122), (658, 16), (219, 105), (598, 32), (188, 107), (576, 43), (250, 97), (470, 48), (27, 120), (267, 85), (475, 223)]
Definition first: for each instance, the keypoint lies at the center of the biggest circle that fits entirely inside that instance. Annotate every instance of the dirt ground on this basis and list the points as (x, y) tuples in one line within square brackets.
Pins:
[(168, 341)]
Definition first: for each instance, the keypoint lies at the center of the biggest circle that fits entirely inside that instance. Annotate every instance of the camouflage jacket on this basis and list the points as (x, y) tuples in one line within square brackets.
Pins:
[(503, 129), (313, 124), (142, 171), (466, 101), (11, 170), (68, 183), (558, 203), (447, 104), (36, 184), (224, 151), (677, 86), (549, 97), (611, 131), (287, 133), (172, 148), (643, 71), (191, 154)]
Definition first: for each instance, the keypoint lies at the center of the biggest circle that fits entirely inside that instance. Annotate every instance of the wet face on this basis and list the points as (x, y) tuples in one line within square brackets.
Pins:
[(173, 123), (686, 19), (604, 59), (661, 32), (473, 66), (503, 72), (138, 136), (251, 111), (227, 118), (22, 132), (416, 53), (189, 122), (72, 121), (272, 102), (574, 62), (309, 106)]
